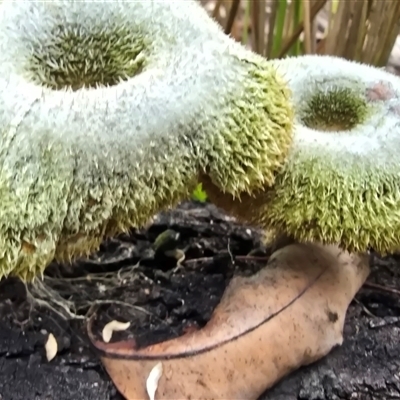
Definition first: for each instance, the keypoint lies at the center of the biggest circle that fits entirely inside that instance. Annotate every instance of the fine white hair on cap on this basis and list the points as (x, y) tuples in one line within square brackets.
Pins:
[(310, 75)]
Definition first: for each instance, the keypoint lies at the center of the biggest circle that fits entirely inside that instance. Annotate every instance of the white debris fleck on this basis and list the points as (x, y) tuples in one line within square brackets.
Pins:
[(102, 288), (113, 326), (51, 347), (152, 380)]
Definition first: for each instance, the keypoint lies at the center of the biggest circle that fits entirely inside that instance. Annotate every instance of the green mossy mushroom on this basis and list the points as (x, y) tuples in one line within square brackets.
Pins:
[(110, 111), (341, 182)]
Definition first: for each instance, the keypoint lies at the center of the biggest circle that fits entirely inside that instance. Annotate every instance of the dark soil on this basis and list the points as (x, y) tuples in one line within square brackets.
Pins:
[(136, 277)]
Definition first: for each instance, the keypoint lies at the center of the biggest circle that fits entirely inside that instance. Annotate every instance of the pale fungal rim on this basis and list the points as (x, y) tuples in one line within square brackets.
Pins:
[(20, 41), (377, 132)]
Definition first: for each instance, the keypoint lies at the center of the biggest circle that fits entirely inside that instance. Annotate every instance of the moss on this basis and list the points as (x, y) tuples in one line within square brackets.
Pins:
[(92, 146)]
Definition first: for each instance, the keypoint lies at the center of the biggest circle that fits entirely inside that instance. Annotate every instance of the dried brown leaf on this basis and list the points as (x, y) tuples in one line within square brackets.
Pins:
[(288, 315)]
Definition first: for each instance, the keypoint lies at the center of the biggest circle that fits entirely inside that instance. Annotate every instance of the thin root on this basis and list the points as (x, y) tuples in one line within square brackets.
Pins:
[(61, 296)]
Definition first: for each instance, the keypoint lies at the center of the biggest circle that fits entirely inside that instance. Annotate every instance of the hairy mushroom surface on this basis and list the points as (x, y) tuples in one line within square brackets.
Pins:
[(341, 181), (109, 111)]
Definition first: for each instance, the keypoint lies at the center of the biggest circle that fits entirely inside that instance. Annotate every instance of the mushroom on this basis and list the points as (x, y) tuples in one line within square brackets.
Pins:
[(113, 111), (109, 112), (340, 183)]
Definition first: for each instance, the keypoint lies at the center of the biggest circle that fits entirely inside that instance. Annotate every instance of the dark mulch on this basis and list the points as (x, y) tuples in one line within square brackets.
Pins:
[(162, 301)]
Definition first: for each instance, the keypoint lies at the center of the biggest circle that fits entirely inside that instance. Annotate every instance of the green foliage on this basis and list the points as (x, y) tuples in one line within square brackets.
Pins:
[(199, 194)]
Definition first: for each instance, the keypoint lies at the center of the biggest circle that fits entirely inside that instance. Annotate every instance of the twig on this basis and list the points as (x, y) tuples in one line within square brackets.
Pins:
[(215, 13), (232, 15), (381, 287), (307, 26), (365, 308), (241, 258), (230, 253), (297, 32)]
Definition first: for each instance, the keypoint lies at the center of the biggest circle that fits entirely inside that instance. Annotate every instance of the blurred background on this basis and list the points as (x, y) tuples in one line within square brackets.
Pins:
[(362, 30)]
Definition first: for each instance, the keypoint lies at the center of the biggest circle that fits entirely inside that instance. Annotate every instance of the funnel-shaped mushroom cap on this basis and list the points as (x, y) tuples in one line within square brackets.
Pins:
[(110, 110), (341, 181)]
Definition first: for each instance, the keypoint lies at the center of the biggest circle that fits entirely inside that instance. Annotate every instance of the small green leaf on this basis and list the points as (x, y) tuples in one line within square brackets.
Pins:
[(199, 194)]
